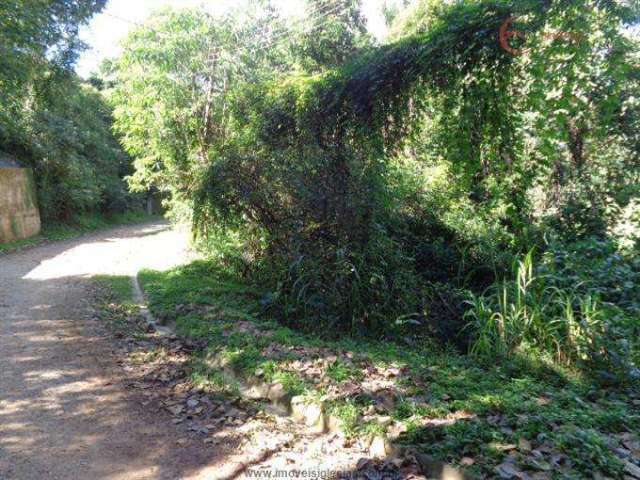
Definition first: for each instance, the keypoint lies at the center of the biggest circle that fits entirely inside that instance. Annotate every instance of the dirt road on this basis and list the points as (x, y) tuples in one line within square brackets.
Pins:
[(65, 410), (63, 414)]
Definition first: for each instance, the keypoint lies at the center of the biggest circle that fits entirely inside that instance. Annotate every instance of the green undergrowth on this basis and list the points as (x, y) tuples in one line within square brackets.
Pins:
[(20, 244), (116, 306), (120, 287), (449, 405), (79, 225)]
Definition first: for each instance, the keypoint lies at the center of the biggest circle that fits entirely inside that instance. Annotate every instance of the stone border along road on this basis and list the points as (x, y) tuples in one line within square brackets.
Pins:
[(64, 410), (140, 300), (309, 413)]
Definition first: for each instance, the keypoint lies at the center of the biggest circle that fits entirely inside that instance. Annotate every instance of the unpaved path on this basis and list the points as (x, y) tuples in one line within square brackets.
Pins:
[(65, 410), (63, 413)]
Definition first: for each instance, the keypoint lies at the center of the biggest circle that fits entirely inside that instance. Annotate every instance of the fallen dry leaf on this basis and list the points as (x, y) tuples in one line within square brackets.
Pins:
[(503, 447), (524, 445)]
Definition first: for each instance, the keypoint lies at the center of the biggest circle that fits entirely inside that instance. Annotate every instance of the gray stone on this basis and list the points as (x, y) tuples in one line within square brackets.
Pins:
[(384, 421), (255, 390), (380, 448), (335, 424), (280, 399), (308, 412), (632, 469), (395, 430), (431, 468), (276, 392)]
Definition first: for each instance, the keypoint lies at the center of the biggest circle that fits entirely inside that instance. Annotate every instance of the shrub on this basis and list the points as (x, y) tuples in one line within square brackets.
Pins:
[(306, 166), (374, 289), (597, 267), (569, 321)]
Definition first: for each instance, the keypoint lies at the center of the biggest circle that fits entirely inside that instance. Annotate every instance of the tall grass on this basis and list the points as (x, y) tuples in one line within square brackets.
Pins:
[(530, 311)]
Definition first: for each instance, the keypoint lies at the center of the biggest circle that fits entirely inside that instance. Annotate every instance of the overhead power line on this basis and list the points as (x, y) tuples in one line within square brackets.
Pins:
[(320, 15), (309, 15)]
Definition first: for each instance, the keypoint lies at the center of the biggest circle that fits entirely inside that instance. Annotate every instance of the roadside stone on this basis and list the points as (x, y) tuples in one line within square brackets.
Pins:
[(622, 452), (280, 399), (334, 424), (434, 469), (256, 389), (364, 443), (395, 430), (380, 448), (384, 421), (632, 469), (308, 412)]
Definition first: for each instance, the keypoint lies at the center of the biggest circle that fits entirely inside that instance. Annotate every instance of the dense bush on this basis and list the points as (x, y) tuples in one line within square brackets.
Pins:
[(312, 174), (579, 304), (596, 266), (78, 163), (368, 190)]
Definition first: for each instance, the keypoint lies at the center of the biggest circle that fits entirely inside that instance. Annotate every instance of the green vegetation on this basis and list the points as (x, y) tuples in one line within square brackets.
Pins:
[(117, 309), (451, 406), (51, 120), (576, 320), (386, 190), (120, 287), (436, 193), (448, 216)]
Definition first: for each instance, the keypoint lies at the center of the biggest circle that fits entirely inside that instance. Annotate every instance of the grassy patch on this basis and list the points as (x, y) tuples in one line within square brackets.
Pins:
[(20, 244), (120, 287), (448, 405), (76, 227), (116, 306), (339, 372)]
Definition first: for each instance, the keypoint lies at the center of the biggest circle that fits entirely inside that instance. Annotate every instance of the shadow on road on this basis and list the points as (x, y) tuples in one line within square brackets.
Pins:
[(63, 410)]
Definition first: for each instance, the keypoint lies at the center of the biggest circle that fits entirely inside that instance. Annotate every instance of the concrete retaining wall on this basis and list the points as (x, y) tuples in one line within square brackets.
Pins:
[(19, 215)]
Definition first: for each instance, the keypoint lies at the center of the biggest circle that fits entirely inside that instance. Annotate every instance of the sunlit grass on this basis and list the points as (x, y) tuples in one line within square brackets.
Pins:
[(531, 397)]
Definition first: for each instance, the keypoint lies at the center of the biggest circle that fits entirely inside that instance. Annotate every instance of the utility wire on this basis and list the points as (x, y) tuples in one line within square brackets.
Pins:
[(281, 35), (311, 14)]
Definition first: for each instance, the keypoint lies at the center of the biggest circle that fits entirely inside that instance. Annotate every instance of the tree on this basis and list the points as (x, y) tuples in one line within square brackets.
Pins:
[(391, 9), (35, 37), (333, 32), (324, 162), (175, 86), (48, 117)]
